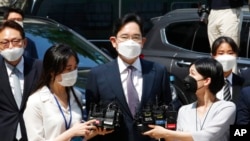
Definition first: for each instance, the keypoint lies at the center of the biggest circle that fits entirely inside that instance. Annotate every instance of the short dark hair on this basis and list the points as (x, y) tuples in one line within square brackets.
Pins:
[(13, 25), (224, 39), (55, 61), (9, 10), (209, 67), (130, 17)]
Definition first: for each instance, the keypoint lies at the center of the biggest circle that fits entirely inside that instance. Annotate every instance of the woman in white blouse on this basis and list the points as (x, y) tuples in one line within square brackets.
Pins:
[(54, 110)]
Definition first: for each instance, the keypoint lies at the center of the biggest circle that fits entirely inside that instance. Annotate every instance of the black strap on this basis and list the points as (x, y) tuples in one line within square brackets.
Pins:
[(77, 101)]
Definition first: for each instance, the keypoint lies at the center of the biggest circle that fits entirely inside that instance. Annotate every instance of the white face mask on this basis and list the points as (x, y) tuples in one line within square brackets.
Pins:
[(69, 78), (12, 54), (129, 49), (227, 61)]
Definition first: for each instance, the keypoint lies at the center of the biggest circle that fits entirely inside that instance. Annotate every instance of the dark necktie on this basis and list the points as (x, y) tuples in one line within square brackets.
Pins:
[(17, 95), (227, 95), (133, 99)]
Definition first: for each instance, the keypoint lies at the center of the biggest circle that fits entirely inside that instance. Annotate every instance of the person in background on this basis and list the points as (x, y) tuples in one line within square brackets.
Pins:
[(14, 14), (54, 110), (17, 15), (224, 19), (19, 76), (207, 119), (225, 50), (128, 80), (243, 107), (245, 74)]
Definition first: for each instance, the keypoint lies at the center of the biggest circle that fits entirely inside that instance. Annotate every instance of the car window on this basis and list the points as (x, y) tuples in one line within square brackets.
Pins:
[(189, 35), (192, 35)]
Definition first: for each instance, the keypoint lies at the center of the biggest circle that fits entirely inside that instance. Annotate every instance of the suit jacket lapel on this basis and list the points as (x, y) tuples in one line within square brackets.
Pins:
[(114, 79), (148, 74), (5, 90), (237, 83), (114, 76), (30, 74)]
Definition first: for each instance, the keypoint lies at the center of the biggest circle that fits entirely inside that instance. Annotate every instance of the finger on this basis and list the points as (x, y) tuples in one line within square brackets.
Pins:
[(151, 126), (87, 132), (102, 133), (147, 133), (89, 127), (110, 131), (90, 121)]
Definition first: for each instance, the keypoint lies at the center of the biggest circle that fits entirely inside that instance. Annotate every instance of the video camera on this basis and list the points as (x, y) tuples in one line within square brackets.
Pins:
[(108, 117), (203, 12), (156, 115)]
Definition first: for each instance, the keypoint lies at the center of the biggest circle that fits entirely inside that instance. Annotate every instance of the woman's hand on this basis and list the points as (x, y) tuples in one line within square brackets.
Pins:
[(83, 129), (156, 132), (96, 131), (104, 131)]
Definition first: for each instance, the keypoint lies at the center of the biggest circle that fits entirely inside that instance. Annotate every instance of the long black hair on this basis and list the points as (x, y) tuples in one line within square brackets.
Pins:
[(54, 62)]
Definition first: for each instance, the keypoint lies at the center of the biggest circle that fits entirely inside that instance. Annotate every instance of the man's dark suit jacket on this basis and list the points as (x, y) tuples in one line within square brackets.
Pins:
[(243, 107), (246, 75), (9, 112), (104, 85), (237, 83)]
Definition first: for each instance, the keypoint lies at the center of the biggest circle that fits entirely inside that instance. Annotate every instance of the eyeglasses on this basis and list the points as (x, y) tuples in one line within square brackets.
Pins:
[(136, 38), (14, 42)]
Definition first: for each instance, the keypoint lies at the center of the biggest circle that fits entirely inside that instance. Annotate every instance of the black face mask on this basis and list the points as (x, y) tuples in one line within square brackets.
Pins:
[(190, 84)]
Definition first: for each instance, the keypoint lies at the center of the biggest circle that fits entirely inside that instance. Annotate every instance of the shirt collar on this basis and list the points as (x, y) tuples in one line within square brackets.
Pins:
[(230, 78), (19, 66), (123, 65)]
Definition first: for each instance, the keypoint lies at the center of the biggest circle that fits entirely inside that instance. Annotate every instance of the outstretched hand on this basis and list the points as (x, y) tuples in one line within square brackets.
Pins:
[(156, 132), (83, 129)]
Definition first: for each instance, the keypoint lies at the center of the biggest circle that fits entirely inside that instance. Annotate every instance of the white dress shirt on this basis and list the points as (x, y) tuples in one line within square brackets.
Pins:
[(137, 76), (20, 67)]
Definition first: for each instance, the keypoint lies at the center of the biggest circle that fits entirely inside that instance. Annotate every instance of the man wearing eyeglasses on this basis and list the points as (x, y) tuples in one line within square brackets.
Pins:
[(18, 77), (17, 15), (129, 80)]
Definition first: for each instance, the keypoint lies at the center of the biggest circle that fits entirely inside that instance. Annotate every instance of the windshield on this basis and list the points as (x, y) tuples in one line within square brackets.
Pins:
[(44, 35)]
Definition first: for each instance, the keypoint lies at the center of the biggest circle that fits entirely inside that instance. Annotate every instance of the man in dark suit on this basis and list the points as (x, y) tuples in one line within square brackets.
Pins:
[(225, 50), (110, 82), (15, 87), (243, 107), (17, 15), (246, 75)]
